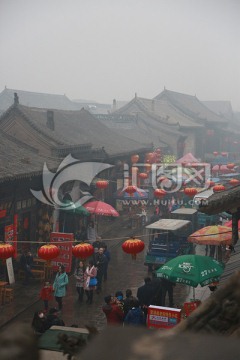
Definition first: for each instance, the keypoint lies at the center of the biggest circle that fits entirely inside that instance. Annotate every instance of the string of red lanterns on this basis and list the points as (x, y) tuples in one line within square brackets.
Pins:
[(159, 193), (48, 252)]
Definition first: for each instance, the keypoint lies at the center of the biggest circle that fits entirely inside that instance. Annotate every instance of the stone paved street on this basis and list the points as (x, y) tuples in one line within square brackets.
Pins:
[(123, 273)]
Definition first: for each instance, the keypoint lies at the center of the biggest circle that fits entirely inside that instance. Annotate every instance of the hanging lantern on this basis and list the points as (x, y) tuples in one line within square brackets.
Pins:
[(210, 183), (134, 158), (230, 166), (83, 251), (102, 184), (6, 251), (190, 191), (218, 188), (130, 189), (143, 176), (158, 151), (159, 193), (215, 153), (48, 252), (224, 153), (234, 181), (133, 246)]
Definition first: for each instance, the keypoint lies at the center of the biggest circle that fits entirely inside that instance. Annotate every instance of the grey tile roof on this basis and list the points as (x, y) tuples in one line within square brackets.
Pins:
[(38, 100), (81, 127), (18, 160), (191, 106), (169, 113)]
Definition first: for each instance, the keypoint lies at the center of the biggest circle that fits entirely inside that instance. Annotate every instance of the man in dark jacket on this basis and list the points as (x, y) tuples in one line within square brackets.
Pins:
[(145, 293), (100, 263), (26, 262)]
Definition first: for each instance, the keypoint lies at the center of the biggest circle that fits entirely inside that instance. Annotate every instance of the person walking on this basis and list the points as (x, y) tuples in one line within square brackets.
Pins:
[(90, 281), (46, 294), (26, 262), (100, 263), (79, 275), (59, 285), (106, 252)]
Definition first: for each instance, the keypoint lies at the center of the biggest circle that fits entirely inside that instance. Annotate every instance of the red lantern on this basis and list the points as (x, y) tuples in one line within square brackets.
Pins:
[(131, 189), (159, 193), (234, 181), (134, 158), (190, 191), (230, 166), (143, 176), (218, 188), (48, 252), (6, 251), (210, 183), (83, 250), (133, 246), (224, 153), (102, 184), (215, 153)]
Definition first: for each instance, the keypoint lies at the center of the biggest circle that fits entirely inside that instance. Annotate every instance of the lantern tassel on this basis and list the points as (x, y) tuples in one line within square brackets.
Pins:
[(134, 256)]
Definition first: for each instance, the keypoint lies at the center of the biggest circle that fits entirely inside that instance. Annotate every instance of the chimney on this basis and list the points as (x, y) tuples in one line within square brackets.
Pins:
[(50, 119), (16, 100), (114, 105)]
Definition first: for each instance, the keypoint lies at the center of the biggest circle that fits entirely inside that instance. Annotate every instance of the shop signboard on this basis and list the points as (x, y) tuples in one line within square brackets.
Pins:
[(10, 238), (64, 242), (162, 317)]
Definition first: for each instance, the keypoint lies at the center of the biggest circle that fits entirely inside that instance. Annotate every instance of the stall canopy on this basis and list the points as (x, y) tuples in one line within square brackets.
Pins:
[(187, 158)]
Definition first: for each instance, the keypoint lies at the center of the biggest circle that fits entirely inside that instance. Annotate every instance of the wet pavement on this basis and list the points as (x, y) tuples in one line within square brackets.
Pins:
[(123, 273)]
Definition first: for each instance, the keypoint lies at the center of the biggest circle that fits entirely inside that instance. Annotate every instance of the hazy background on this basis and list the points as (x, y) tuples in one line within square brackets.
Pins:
[(106, 49)]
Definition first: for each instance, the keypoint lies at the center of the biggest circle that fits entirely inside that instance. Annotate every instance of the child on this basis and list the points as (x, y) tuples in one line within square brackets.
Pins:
[(46, 294)]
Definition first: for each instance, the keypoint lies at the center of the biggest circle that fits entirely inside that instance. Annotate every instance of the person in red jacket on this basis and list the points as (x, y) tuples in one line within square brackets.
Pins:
[(112, 310), (46, 294)]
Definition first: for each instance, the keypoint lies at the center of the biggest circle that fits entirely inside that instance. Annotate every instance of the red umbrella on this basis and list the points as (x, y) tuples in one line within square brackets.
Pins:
[(229, 224), (100, 208)]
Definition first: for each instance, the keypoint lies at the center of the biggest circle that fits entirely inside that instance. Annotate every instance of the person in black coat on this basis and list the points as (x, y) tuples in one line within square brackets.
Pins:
[(167, 288), (26, 262), (145, 294), (100, 263)]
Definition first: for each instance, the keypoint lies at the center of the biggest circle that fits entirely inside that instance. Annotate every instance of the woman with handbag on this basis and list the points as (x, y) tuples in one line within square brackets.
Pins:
[(59, 285), (91, 281)]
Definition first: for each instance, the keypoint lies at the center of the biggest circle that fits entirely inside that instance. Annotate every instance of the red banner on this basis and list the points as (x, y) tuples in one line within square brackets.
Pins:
[(64, 242), (162, 317)]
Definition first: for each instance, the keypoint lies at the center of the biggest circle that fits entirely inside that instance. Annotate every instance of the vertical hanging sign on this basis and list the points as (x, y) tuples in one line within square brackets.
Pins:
[(64, 242)]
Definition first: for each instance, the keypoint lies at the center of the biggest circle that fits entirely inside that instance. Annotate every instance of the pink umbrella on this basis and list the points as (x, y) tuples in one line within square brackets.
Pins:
[(100, 208)]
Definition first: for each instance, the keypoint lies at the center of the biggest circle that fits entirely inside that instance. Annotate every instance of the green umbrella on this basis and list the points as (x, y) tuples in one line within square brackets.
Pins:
[(192, 270), (72, 208)]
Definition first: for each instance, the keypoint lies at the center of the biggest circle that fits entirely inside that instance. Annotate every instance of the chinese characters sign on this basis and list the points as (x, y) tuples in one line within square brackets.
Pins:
[(64, 242), (162, 317)]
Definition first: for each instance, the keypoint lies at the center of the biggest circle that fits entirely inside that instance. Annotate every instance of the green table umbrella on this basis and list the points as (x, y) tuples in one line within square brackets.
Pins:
[(192, 270), (72, 208)]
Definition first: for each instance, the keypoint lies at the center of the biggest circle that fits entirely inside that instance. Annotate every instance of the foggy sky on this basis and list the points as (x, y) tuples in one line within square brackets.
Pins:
[(106, 49)]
